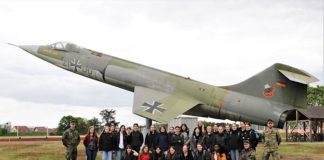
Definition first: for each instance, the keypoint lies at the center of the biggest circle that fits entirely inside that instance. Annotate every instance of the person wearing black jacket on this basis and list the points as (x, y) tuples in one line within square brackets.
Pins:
[(249, 134), (242, 127), (186, 153), (121, 141), (201, 127), (215, 128), (150, 138), (136, 138), (222, 139), (209, 139), (201, 154), (107, 143), (163, 139), (196, 138), (172, 154), (227, 129), (157, 154), (177, 140), (235, 143), (129, 154), (171, 131)]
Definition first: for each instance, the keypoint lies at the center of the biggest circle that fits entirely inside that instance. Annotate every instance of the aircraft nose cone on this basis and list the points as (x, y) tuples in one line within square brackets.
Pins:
[(32, 49)]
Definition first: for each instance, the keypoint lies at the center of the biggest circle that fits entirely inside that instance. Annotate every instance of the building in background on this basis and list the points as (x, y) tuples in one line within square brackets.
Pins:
[(20, 129), (190, 121)]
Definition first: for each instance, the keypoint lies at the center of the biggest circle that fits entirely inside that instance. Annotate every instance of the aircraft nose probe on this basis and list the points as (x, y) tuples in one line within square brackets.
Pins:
[(28, 48)]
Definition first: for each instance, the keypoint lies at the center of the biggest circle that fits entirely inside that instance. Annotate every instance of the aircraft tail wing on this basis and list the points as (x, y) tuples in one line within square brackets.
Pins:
[(160, 106), (279, 82)]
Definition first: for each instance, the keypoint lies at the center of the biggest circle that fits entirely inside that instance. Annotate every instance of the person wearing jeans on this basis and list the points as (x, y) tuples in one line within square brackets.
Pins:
[(235, 142), (91, 144), (121, 142), (107, 143)]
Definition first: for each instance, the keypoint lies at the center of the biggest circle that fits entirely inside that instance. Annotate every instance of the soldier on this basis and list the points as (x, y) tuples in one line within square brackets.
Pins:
[(248, 153), (272, 139), (71, 140)]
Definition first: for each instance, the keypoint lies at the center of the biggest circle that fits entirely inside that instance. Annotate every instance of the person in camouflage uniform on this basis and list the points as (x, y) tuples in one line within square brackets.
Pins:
[(248, 153), (272, 139), (71, 140)]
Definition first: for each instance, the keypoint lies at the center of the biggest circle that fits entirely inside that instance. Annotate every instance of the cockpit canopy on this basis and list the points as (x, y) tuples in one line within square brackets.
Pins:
[(65, 46)]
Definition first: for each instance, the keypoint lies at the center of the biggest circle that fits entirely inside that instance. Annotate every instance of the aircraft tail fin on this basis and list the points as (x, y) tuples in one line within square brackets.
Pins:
[(279, 82)]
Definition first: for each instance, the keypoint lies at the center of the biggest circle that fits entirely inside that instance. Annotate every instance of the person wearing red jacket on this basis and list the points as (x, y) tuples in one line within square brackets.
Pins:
[(144, 154), (91, 144)]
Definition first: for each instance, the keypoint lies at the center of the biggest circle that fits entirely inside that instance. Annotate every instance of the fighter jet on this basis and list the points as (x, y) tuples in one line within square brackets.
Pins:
[(274, 93)]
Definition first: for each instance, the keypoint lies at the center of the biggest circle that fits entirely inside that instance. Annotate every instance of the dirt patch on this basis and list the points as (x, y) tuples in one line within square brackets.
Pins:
[(30, 139)]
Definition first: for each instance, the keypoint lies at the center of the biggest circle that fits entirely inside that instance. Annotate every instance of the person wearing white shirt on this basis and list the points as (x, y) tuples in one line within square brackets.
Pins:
[(121, 141)]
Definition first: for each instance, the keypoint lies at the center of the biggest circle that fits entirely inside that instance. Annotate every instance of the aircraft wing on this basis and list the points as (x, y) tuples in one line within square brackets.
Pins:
[(160, 106)]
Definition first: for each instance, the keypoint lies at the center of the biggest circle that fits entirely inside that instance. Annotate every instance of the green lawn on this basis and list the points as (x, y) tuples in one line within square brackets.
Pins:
[(36, 151), (298, 151), (55, 151)]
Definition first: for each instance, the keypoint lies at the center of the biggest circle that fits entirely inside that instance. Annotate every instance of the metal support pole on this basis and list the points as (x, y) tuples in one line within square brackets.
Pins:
[(304, 128), (311, 130), (148, 123), (286, 131), (321, 130)]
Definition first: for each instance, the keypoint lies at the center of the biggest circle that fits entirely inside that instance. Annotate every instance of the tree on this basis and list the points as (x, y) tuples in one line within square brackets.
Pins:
[(81, 124), (108, 116), (94, 122), (315, 96), (3, 132)]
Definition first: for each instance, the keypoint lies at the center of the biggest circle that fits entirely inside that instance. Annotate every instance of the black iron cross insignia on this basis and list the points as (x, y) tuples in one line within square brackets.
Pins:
[(76, 64), (154, 107)]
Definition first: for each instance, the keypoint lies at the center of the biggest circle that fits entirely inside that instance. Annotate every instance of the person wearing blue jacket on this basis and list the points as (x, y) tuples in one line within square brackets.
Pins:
[(163, 139)]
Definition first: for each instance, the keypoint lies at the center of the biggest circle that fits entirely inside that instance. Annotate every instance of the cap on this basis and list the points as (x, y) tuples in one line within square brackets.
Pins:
[(246, 142)]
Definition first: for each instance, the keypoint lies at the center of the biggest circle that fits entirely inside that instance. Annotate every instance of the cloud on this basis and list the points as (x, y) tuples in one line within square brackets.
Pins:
[(34, 80), (37, 114)]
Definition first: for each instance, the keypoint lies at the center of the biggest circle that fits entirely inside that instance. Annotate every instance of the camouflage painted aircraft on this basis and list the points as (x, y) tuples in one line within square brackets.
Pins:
[(275, 93)]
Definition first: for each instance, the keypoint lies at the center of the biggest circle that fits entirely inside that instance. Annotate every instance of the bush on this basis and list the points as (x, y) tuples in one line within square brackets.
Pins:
[(3, 132)]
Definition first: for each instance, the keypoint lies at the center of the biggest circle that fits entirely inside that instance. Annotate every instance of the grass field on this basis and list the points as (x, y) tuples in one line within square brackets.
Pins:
[(55, 151)]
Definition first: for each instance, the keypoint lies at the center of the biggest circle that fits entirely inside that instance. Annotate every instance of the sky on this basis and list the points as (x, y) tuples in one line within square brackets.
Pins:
[(216, 42)]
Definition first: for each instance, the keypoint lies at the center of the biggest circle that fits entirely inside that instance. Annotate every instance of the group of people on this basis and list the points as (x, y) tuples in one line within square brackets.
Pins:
[(228, 142)]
